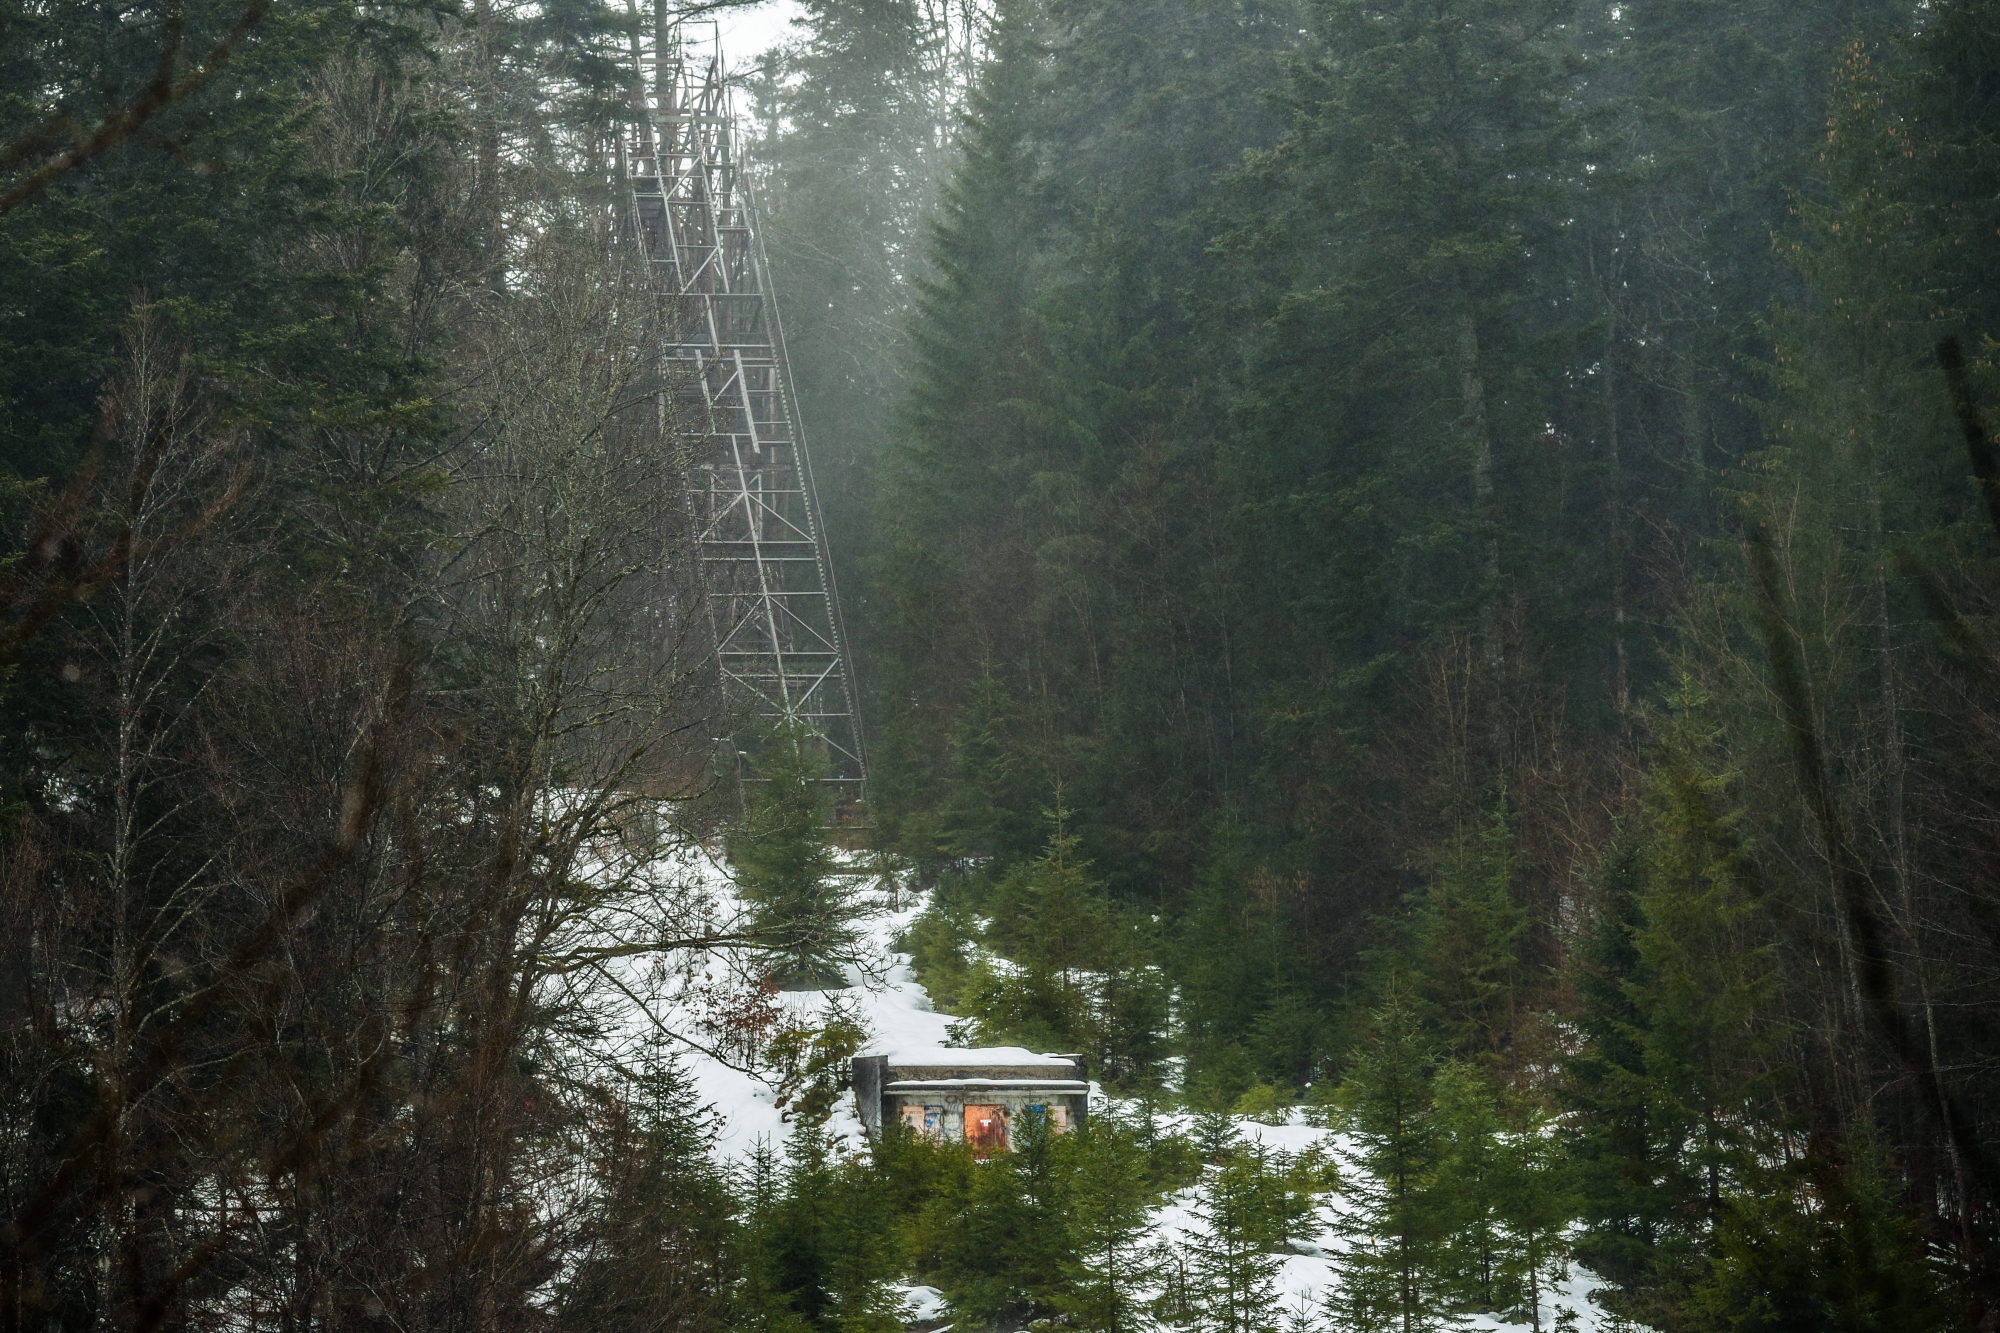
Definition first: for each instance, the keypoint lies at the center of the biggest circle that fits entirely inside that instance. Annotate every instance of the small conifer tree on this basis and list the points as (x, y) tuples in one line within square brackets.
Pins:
[(1233, 1255), (1110, 1264), (1470, 1183), (1703, 986), (1609, 1139), (784, 863), (761, 1304), (1003, 1252), (1467, 926), (1537, 1202), (1397, 1253), (658, 1247), (818, 1247)]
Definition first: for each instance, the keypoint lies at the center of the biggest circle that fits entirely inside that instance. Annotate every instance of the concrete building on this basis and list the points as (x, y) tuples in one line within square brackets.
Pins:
[(970, 1096)]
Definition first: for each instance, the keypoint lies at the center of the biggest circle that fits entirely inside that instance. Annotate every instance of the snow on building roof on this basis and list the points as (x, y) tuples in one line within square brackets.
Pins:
[(1008, 1057), (948, 1084)]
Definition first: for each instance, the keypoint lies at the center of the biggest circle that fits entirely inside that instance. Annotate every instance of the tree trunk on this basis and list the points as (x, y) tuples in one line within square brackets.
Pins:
[(1479, 448), (1615, 519)]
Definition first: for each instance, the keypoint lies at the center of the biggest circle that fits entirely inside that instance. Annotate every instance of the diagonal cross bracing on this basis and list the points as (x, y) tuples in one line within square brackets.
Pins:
[(769, 587)]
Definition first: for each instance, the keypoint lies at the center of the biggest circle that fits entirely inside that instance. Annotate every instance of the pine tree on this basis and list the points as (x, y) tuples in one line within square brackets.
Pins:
[(1130, 1039), (1538, 1203), (993, 789), (1702, 991), (1081, 974), (784, 863), (1501, 1183), (660, 1248), (1005, 1249), (1393, 1270), (1465, 951), (761, 1302), (1470, 1183), (1706, 114), (1819, 1244), (1244, 1212), (1391, 249), (1063, 918), (1230, 953), (1611, 1141), (1111, 1266), (818, 1243), (948, 555), (1216, 1136)]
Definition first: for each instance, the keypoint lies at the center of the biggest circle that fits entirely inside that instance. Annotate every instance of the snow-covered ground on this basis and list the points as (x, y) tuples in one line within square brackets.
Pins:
[(1306, 1281), (884, 996)]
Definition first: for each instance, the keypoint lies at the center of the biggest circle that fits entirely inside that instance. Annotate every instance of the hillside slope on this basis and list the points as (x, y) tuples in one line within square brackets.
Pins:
[(892, 1008)]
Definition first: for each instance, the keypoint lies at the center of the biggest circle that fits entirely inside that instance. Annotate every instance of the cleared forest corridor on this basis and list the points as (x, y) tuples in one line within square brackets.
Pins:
[(726, 387)]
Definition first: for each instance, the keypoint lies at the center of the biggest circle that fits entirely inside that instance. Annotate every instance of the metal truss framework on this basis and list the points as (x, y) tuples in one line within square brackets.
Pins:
[(727, 387)]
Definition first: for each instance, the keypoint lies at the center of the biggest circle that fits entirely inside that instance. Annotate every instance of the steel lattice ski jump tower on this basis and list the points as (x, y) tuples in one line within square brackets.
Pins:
[(727, 387)]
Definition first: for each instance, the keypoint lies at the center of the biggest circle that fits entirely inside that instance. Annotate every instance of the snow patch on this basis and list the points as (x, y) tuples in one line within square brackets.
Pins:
[(922, 1305)]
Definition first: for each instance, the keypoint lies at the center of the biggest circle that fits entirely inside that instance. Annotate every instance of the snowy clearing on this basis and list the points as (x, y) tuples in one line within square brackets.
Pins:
[(892, 1007)]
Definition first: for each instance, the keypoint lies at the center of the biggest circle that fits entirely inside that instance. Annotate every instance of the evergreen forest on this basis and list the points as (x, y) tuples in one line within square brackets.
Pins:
[(1426, 569)]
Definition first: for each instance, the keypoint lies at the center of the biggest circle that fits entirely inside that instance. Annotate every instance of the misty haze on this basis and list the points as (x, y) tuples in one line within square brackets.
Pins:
[(999, 666)]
